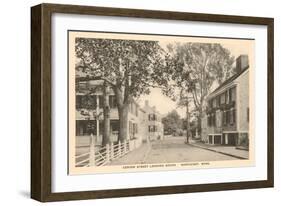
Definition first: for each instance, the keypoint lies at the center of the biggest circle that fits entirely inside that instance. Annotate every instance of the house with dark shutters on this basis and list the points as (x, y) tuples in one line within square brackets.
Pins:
[(155, 128), (227, 115)]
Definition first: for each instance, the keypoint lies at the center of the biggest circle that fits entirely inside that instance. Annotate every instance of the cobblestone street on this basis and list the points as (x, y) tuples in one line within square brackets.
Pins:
[(172, 149)]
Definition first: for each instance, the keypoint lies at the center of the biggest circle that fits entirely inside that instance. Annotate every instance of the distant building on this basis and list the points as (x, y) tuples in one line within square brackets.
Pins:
[(155, 129), (226, 121)]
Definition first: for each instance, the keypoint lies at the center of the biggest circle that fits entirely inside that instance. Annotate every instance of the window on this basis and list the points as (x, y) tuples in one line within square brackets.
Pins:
[(112, 101), (137, 109), (152, 128), (214, 103), (114, 126), (152, 117), (227, 118), (100, 100), (227, 97), (81, 86), (209, 120), (130, 127), (224, 118), (222, 98), (248, 114), (134, 128), (134, 109), (213, 120), (232, 116), (218, 100), (86, 102), (232, 94), (210, 103), (85, 127)]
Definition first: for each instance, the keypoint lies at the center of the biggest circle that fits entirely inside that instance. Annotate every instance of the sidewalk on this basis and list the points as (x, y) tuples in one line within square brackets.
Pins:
[(226, 150), (136, 156)]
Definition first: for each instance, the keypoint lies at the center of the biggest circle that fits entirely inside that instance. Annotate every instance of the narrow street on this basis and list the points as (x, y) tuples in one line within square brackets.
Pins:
[(172, 149)]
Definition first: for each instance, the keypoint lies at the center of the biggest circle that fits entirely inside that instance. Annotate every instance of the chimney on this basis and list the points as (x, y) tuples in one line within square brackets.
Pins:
[(242, 62)]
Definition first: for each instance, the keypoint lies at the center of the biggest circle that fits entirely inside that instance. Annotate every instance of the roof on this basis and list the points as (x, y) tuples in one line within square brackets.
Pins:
[(229, 80)]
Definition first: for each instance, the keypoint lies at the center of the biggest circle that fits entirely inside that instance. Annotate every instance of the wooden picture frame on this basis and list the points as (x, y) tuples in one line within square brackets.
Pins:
[(41, 99)]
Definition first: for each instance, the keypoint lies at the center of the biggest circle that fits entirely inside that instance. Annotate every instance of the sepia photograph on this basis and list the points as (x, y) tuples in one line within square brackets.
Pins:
[(146, 102)]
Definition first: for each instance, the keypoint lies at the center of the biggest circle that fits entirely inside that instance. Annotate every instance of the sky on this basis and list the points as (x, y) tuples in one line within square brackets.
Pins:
[(162, 103)]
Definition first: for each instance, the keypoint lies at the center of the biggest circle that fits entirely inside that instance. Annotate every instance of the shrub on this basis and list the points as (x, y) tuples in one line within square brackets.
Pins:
[(244, 140)]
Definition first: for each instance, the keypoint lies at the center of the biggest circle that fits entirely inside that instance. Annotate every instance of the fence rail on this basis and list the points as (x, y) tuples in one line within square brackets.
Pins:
[(103, 155)]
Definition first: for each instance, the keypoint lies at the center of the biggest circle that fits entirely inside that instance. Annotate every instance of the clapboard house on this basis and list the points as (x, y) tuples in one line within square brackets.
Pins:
[(227, 112)]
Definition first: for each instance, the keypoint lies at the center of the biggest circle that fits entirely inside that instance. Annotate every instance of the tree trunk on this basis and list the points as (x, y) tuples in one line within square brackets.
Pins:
[(187, 124), (199, 118), (106, 115), (123, 122)]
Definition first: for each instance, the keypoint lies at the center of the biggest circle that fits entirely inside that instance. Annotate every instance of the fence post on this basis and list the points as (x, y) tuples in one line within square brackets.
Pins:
[(107, 153), (112, 150), (125, 146), (92, 157), (119, 148)]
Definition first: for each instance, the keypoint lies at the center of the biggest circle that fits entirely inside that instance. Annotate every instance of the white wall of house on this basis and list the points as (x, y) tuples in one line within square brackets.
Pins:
[(243, 102), (159, 133)]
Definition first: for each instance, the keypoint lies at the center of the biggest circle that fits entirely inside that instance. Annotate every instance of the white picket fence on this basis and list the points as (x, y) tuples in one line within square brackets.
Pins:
[(103, 155)]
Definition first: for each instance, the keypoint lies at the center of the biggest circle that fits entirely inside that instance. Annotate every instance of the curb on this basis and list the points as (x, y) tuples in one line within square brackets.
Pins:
[(240, 148), (224, 153)]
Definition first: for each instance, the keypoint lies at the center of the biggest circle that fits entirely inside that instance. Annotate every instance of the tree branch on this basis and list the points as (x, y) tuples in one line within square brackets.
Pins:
[(81, 79)]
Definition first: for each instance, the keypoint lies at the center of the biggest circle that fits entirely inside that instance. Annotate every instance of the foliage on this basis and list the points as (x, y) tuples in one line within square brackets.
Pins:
[(194, 67), (244, 140), (172, 122), (128, 65)]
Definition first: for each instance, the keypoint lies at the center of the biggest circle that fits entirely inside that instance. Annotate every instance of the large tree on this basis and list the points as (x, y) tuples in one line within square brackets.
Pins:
[(194, 67), (129, 67)]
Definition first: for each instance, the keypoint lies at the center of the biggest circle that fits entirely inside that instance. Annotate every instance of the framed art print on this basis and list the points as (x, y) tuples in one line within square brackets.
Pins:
[(132, 102)]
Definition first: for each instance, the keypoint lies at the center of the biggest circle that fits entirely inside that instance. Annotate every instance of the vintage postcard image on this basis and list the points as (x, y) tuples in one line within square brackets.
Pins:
[(148, 102)]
